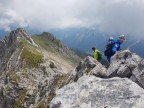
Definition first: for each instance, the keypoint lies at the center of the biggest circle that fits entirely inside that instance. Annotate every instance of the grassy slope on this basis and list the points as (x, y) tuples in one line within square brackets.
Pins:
[(30, 57), (53, 45), (47, 42)]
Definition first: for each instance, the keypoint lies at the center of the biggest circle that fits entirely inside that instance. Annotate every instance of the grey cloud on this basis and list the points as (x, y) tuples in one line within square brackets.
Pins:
[(123, 16), (9, 17)]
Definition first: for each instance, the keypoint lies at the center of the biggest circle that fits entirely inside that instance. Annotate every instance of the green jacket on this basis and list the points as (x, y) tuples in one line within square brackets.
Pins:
[(95, 54)]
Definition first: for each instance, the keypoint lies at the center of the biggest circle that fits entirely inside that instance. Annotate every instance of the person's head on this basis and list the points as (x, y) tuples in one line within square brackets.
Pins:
[(93, 48), (122, 38)]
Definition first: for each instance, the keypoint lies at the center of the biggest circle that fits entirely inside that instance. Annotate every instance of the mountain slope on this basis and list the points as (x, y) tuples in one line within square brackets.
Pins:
[(50, 43), (30, 71), (56, 50)]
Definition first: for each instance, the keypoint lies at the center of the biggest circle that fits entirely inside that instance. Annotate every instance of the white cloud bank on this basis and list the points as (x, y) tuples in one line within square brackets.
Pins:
[(124, 16)]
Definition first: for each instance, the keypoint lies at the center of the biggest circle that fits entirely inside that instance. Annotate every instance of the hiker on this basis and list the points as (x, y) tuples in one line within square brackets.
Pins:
[(108, 48), (110, 41), (115, 46), (96, 53)]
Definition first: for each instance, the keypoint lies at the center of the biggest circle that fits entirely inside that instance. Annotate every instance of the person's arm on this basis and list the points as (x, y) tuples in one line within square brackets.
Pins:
[(115, 48)]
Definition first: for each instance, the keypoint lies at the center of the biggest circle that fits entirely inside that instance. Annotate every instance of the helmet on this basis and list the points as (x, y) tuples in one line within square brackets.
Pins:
[(111, 38)]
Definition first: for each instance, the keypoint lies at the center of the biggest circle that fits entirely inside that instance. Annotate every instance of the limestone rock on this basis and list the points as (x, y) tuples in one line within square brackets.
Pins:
[(123, 63), (127, 64), (89, 66), (138, 74), (93, 92)]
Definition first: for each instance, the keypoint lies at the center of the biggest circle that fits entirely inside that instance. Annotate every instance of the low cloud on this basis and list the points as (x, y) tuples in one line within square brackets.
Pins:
[(112, 16), (10, 18)]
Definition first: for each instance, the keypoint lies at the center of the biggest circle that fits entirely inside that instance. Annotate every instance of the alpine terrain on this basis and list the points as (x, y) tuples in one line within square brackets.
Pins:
[(32, 68), (39, 71)]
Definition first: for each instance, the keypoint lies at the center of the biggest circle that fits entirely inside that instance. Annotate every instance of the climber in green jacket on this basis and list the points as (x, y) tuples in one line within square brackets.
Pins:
[(96, 53)]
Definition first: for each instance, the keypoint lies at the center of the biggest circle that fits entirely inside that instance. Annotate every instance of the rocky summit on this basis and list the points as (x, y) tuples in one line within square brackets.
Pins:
[(39, 71)]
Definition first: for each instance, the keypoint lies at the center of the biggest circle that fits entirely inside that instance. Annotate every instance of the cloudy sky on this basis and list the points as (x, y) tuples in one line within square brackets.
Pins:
[(123, 16)]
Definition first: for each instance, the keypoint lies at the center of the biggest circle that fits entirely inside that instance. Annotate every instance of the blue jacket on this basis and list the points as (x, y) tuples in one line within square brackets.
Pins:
[(116, 46)]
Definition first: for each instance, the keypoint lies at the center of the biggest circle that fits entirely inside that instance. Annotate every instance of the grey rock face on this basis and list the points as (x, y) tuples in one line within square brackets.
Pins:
[(89, 66), (138, 74), (123, 63), (93, 92), (127, 64)]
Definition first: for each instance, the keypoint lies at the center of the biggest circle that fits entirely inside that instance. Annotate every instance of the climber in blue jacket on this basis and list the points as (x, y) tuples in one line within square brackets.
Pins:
[(116, 46)]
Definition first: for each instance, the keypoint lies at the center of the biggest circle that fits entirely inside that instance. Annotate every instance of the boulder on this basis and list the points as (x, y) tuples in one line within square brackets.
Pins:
[(89, 66), (127, 64), (93, 92), (123, 63)]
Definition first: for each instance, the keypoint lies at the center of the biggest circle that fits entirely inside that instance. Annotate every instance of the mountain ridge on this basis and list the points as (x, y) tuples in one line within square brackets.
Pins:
[(28, 72)]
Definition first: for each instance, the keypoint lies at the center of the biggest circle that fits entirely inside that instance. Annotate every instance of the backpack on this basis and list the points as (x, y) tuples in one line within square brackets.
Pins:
[(108, 51), (99, 55)]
